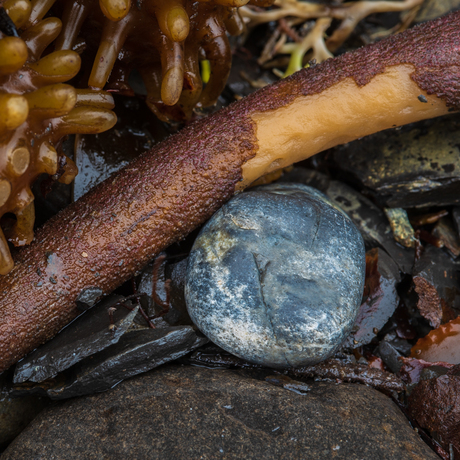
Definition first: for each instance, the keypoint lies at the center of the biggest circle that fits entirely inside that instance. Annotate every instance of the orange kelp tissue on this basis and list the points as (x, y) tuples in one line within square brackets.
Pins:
[(37, 109)]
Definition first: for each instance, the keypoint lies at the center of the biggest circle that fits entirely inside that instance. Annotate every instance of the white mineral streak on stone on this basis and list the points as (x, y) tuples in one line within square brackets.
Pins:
[(220, 245), (241, 332)]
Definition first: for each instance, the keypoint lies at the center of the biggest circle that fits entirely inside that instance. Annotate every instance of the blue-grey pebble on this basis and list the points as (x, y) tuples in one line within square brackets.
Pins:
[(276, 276)]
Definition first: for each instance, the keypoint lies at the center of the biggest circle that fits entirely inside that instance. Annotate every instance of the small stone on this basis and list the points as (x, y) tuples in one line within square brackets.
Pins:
[(402, 229), (276, 276), (435, 405)]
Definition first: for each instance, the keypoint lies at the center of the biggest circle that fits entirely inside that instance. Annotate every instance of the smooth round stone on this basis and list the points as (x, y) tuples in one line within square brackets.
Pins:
[(276, 276)]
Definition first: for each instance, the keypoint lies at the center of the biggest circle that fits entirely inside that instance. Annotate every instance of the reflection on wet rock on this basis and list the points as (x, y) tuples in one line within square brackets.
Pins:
[(100, 155), (163, 288), (416, 166), (380, 298), (88, 334), (136, 352), (276, 276), (99, 349)]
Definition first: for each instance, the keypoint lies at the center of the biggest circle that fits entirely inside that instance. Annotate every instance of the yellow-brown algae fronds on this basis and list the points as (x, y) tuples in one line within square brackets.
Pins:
[(37, 109), (164, 41)]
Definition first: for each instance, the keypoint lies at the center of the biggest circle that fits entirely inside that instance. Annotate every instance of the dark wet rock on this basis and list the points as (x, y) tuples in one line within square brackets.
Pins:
[(346, 369), (371, 222), (456, 218), (445, 231), (16, 413), (169, 288), (380, 298), (283, 381), (185, 412), (418, 165), (413, 369), (390, 356), (433, 372), (85, 336), (309, 177), (212, 356), (98, 156), (435, 405), (88, 297), (176, 272), (403, 346), (276, 276), (436, 282), (341, 368), (136, 352)]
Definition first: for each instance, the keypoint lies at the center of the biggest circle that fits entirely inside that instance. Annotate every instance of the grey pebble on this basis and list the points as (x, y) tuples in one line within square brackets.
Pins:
[(276, 276)]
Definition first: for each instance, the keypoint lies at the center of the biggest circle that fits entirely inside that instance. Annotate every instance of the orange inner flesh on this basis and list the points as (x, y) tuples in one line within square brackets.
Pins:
[(337, 115)]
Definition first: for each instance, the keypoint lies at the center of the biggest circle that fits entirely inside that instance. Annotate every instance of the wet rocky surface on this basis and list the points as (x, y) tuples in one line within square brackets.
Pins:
[(380, 298), (407, 337), (84, 337), (186, 412), (16, 413), (416, 166), (435, 404), (110, 342), (136, 352)]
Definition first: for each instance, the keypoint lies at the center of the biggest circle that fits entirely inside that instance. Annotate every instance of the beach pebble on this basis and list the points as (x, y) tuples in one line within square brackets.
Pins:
[(276, 276)]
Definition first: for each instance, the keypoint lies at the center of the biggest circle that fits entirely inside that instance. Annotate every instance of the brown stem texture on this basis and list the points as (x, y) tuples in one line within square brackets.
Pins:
[(108, 235)]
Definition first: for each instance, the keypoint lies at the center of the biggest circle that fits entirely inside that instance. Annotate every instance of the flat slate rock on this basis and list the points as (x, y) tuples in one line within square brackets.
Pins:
[(415, 166), (186, 412), (88, 334)]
